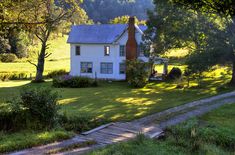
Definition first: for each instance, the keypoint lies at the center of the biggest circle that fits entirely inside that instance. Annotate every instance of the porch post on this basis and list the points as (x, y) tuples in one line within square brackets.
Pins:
[(165, 69)]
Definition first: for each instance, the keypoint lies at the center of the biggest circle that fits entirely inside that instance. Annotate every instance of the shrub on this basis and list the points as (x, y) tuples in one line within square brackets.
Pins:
[(57, 73), (174, 74), (137, 73), (73, 82), (7, 57), (13, 116), (41, 104), (13, 76), (79, 123)]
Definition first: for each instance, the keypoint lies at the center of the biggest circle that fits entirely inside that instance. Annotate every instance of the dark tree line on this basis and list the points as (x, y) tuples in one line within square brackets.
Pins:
[(103, 11)]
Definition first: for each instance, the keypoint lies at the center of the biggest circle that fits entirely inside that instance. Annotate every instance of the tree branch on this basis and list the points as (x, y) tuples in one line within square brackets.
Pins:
[(32, 63)]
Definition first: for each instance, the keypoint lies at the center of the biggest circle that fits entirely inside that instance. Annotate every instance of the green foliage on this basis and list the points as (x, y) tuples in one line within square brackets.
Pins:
[(79, 123), (27, 139), (13, 76), (57, 73), (13, 117), (103, 11), (7, 57), (35, 109), (175, 73), (41, 104), (137, 73), (220, 136), (73, 82), (125, 20)]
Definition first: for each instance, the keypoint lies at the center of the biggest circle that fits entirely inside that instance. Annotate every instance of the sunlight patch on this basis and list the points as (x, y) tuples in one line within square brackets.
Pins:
[(69, 100), (136, 101)]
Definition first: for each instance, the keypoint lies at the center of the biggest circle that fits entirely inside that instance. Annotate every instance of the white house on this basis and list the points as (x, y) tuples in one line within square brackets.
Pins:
[(101, 50)]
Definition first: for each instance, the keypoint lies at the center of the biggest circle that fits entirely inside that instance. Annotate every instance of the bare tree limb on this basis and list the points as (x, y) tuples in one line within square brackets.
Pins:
[(32, 63)]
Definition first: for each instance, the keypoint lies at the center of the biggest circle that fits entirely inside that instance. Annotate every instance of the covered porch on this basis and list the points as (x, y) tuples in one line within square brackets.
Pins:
[(159, 69)]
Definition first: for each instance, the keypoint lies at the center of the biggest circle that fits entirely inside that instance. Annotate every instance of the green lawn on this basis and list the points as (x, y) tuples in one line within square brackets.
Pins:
[(60, 59), (216, 137), (116, 101), (111, 101)]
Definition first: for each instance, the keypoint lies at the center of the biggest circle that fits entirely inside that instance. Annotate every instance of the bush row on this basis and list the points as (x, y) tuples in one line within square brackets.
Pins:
[(21, 76), (8, 57), (14, 76), (73, 82)]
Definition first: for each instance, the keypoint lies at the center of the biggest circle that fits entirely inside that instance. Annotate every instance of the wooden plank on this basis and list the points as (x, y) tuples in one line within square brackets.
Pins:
[(123, 129), (118, 133), (96, 129), (100, 139), (129, 126)]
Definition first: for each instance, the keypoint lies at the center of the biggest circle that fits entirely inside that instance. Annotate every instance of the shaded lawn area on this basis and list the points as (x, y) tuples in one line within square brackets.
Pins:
[(111, 101), (116, 101), (217, 137)]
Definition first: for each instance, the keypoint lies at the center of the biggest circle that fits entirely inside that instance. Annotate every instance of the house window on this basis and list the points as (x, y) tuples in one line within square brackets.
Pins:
[(122, 51), (106, 50), (106, 68), (86, 67), (78, 50), (122, 68)]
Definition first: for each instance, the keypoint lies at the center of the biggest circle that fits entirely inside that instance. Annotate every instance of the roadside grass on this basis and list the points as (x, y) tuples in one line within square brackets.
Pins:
[(212, 133), (26, 139)]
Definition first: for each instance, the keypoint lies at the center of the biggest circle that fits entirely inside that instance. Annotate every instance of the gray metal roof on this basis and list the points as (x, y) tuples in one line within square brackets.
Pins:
[(99, 34)]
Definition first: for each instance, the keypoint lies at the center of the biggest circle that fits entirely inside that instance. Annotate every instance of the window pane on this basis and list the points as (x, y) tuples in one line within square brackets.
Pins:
[(122, 68), (77, 50), (106, 68), (86, 67), (106, 50), (122, 50)]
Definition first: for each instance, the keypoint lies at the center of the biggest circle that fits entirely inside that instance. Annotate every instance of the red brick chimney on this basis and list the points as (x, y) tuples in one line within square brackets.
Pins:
[(131, 45)]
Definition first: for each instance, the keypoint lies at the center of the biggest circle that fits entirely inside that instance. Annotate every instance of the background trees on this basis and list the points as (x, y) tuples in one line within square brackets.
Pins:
[(206, 35), (102, 11)]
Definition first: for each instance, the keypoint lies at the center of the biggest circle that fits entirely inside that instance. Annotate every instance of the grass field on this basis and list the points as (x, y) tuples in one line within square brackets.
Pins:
[(114, 101), (58, 60), (110, 101), (217, 137)]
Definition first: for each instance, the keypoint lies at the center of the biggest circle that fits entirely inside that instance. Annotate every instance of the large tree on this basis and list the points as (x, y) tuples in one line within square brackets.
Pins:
[(224, 8), (40, 17)]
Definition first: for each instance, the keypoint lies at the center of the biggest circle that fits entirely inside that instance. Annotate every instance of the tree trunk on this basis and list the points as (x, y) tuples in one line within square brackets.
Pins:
[(232, 82), (40, 65)]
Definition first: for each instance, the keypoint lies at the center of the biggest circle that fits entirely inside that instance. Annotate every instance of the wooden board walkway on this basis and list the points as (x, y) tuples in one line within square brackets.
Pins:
[(103, 135)]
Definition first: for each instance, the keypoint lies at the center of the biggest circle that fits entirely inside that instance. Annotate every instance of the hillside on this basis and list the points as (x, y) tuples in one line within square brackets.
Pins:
[(102, 11)]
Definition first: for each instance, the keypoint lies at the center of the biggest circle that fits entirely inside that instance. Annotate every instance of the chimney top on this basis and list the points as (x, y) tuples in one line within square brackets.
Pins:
[(132, 20)]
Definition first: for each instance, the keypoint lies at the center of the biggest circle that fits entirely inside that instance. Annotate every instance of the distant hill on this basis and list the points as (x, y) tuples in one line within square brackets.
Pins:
[(103, 10)]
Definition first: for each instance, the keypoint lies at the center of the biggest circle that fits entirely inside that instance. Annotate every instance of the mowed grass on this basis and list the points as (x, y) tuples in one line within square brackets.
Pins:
[(59, 59), (217, 138), (116, 101)]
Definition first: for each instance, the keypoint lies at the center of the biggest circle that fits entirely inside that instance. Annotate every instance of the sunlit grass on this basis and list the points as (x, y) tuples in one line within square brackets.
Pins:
[(118, 102), (25, 139), (59, 59)]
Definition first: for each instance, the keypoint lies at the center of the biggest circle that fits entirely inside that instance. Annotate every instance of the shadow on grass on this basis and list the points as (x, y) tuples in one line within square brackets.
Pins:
[(117, 102)]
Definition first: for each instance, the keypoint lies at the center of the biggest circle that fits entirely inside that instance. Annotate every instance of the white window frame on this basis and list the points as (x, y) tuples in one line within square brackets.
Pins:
[(86, 67), (106, 69)]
